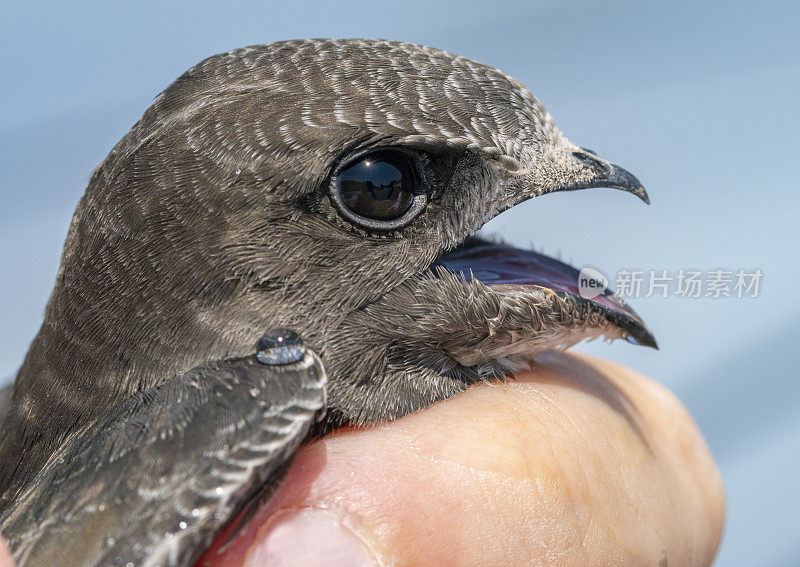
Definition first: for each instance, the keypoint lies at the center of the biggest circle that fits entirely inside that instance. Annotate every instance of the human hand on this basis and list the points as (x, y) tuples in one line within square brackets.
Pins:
[(577, 462), (5, 555)]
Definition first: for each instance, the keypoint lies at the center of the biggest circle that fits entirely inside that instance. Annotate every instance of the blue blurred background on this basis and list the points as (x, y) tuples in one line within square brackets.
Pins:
[(700, 100)]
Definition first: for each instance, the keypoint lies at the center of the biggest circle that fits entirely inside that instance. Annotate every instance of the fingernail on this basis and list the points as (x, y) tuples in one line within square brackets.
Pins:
[(308, 538)]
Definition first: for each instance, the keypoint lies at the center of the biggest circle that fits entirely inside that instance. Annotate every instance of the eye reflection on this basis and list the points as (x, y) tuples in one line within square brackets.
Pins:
[(378, 187)]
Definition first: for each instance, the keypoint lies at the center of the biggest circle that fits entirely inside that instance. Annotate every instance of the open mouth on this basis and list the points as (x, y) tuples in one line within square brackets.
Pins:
[(509, 270)]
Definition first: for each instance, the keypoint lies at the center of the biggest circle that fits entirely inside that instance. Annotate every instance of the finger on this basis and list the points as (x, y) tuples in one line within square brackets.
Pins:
[(578, 462), (5, 555)]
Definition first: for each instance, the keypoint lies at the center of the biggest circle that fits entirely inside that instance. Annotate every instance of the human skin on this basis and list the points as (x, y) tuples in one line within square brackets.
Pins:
[(576, 462)]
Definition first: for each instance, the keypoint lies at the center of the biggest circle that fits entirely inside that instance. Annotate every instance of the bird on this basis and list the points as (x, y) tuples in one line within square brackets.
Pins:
[(285, 243)]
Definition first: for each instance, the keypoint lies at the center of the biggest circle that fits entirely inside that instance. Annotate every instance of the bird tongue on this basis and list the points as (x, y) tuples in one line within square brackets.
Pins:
[(505, 268)]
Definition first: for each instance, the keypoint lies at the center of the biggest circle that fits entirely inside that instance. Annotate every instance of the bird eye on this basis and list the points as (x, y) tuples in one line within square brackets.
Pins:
[(379, 189)]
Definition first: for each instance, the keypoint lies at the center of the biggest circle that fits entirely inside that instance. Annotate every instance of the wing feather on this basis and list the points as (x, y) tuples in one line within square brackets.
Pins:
[(155, 478)]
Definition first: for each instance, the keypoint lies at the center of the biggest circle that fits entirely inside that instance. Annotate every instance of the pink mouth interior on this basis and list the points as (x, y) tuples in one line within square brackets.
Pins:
[(498, 265)]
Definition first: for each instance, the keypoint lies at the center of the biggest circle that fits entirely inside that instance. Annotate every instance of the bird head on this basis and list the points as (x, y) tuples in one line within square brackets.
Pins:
[(333, 187)]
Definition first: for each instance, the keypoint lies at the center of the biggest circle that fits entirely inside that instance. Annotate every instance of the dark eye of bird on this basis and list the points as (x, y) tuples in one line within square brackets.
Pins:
[(379, 189)]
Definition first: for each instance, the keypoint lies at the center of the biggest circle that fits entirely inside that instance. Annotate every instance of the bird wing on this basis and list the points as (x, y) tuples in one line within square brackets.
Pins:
[(155, 478)]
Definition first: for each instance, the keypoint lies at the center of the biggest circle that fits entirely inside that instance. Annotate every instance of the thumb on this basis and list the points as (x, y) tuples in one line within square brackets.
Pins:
[(5, 555)]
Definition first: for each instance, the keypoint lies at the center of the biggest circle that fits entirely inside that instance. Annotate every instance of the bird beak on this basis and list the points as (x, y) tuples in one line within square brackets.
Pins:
[(619, 178), (516, 272), (602, 173)]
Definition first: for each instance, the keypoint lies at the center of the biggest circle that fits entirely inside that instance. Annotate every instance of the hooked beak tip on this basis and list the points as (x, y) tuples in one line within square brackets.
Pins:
[(619, 178), (609, 175)]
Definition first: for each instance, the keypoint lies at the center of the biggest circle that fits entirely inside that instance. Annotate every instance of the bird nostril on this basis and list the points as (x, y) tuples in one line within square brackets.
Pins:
[(592, 161)]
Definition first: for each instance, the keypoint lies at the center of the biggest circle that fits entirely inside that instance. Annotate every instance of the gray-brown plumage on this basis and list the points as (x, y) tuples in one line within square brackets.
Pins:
[(217, 218)]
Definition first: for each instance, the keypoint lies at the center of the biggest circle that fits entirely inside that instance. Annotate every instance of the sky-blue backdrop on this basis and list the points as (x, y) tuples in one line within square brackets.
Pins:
[(700, 100)]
